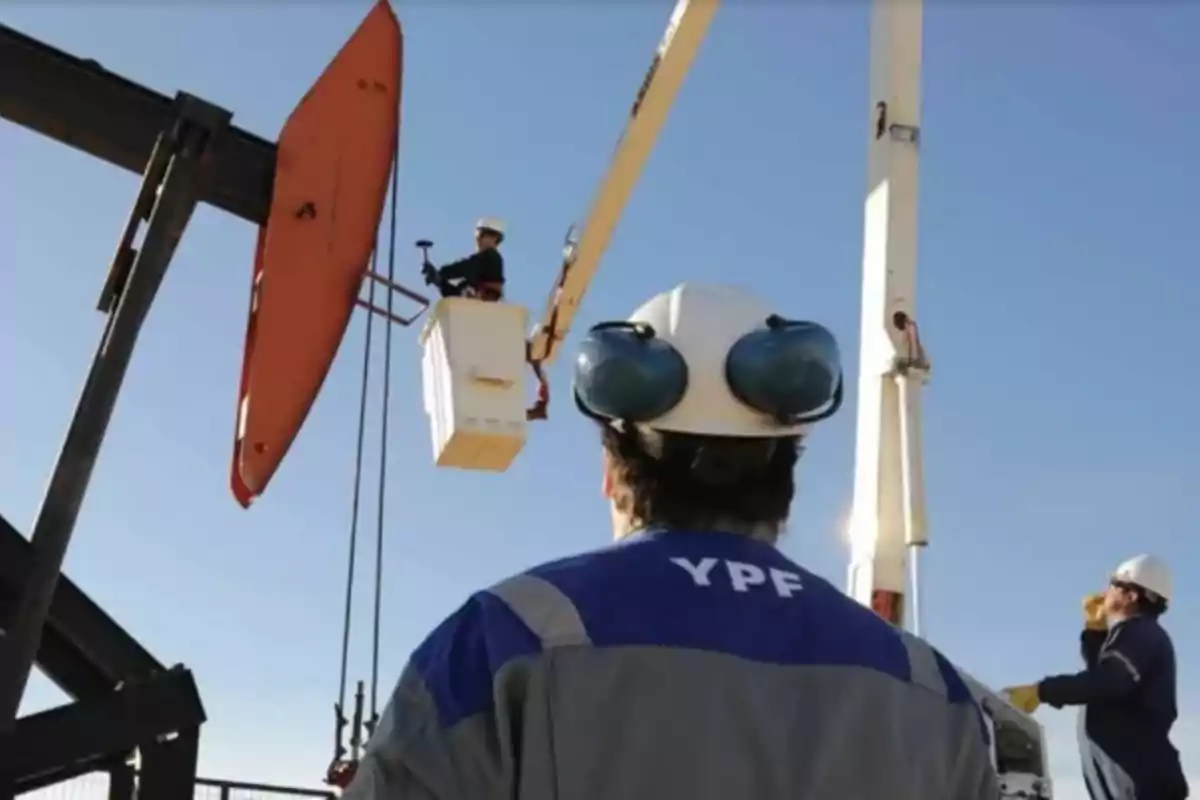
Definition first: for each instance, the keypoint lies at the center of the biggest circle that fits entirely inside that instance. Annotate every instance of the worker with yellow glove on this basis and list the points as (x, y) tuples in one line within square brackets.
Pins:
[(1094, 616), (1127, 690), (1026, 698)]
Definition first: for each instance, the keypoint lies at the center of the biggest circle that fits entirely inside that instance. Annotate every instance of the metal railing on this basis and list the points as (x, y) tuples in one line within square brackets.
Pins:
[(95, 787)]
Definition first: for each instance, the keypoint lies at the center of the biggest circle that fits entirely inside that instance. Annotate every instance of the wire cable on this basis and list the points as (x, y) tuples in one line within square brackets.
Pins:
[(383, 447), (358, 470)]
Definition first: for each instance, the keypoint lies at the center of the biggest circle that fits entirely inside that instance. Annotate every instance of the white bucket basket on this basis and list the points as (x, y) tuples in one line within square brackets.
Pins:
[(473, 372)]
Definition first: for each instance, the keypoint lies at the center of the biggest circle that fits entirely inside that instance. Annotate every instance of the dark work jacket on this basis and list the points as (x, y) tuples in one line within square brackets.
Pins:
[(1128, 696), (486, 266)]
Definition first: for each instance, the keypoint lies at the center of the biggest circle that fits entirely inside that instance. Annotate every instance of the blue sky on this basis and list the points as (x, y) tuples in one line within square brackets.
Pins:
[(1057, 280)]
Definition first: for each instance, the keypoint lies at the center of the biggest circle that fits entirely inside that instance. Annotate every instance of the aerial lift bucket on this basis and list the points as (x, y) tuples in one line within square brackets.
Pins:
[(335, 157)]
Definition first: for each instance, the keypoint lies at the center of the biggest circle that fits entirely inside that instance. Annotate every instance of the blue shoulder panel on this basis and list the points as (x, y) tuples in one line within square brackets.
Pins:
[(646, 592), (957, 690), (615, 589), (460, 658)]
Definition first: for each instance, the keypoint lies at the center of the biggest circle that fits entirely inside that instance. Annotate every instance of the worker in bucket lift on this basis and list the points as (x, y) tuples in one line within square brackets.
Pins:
[(692, 658), (1127, 689), (479, 275)]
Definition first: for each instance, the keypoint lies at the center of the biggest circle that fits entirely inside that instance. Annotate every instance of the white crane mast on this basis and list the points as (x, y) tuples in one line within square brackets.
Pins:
[(887, 518)]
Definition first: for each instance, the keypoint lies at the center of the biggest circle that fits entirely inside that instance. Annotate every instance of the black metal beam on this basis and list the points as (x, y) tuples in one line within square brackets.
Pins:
[(165, 203), (168, 767), (79, 103), (84, 651), (59, 660), (122, 782), (56, 744)]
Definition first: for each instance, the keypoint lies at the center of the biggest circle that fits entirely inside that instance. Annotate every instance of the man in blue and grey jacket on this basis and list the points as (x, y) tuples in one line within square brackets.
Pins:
[(691, 659), (1126, 691)]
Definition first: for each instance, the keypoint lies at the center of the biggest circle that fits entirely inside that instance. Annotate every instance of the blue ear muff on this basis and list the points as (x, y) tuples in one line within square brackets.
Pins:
[(790, 370), (624, 372)]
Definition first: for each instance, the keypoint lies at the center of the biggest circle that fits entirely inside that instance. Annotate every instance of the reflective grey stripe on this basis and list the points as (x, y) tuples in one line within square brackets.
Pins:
[(1091, 778), (1119, 656), (547, 612), (1105, 778), (922, 663)]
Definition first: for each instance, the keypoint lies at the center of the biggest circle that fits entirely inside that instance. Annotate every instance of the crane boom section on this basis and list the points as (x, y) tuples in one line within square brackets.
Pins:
[(888, 496), (686, 30)]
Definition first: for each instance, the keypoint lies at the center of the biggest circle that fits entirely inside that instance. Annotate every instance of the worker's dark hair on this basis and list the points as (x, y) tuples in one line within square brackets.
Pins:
[(1145, 602), (696, 482), (1148, 603)]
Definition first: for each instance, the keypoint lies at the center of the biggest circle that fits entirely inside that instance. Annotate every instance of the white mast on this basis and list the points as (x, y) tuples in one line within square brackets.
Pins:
[(887, 519)]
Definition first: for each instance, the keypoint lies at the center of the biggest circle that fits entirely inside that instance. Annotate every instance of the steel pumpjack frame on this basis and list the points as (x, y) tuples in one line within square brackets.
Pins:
[(124, 699)]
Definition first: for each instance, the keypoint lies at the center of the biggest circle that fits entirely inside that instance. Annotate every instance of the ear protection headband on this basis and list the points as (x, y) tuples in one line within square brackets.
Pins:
[(789, 371)]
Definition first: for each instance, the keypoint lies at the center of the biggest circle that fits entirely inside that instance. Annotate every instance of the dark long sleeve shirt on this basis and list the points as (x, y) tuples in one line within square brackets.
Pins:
[(485, 266), (1128, 690)]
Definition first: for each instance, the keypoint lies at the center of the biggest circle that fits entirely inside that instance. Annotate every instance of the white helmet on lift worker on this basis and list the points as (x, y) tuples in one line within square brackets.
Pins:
[(491, 229)]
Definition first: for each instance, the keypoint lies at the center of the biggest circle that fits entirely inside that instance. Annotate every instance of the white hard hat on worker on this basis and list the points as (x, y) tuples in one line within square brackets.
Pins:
[(1146, 572), (711, 360), (490, 225)]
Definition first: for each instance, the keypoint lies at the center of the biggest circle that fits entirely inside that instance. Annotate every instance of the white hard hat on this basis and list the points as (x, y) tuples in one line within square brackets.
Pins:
[(710, 360), (490, 224), (1148, 572)]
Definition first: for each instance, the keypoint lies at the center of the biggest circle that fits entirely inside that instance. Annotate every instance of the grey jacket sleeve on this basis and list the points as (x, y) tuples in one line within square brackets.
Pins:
[(976, 778), (408, 757), (442, 735)]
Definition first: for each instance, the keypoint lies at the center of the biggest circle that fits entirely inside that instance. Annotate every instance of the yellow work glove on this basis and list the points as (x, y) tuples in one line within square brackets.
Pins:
[(1024, 697), (1093, 613)]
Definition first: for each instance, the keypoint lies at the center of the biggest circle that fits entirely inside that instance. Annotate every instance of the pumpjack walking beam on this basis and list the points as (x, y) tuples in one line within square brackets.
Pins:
[(187, 153), (77, 102), (166, 201)]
